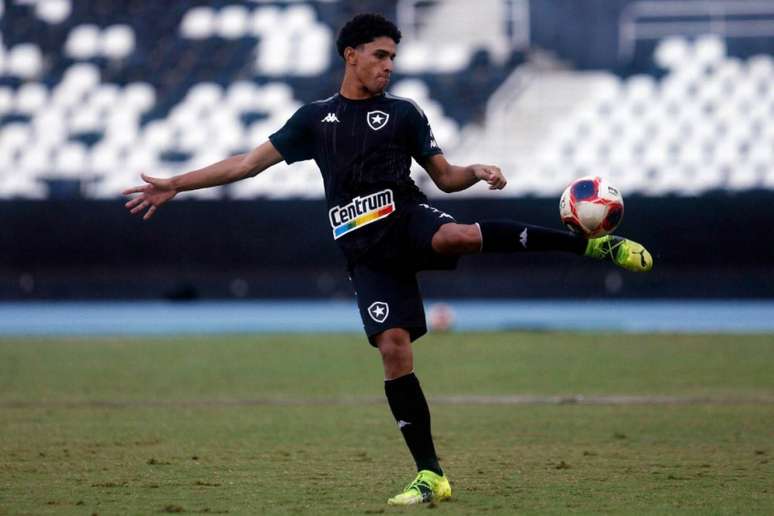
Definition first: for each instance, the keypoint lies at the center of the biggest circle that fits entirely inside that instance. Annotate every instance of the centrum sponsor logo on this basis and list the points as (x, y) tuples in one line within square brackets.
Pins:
[(360, 211)]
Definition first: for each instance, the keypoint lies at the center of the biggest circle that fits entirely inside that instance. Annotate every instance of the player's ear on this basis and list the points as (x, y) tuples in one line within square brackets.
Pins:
[(350, 56)]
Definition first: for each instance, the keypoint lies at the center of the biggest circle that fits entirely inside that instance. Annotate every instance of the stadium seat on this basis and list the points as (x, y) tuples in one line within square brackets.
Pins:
[(139, 96), (264, 20), (86, 120), (240, 96), (232, 22), (672, 52), (198, 23), (158, 135), (69, 161), (414, 58), (31, 97), (314, 51), (53, 12), (25, 60), (117, 42), (83, 42)]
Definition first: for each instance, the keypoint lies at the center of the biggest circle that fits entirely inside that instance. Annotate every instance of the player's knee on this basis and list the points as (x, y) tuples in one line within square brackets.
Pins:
[(453, 239), (394, 345)]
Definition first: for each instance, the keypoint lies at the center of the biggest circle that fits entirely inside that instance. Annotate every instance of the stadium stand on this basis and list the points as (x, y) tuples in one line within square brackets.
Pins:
[(91, 94), (705, 125)]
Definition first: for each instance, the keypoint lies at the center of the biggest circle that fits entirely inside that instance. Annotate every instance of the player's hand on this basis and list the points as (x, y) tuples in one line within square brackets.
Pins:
[(492, 175), (153, 194)]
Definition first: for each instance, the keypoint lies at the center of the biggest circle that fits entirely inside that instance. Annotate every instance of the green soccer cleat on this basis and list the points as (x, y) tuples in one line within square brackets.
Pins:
[(427, 487), (621, 251)]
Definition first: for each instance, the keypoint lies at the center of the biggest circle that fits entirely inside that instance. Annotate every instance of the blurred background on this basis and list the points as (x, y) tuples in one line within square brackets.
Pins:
[(672, 101)]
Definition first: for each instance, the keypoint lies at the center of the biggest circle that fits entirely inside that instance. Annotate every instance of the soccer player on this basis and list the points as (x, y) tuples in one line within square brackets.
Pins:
[(363, 140)]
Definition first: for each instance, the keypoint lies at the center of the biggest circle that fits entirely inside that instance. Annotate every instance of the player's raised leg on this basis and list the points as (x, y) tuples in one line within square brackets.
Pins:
[(409, 407), (510, 237)]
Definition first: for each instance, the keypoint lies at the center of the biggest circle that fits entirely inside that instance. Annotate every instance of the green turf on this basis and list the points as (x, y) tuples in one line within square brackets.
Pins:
[(290, 424)]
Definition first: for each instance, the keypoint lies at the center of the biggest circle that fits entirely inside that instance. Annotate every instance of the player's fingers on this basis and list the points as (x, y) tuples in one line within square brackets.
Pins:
[(150, 213), (135, 189), (133, 202), (137, 209), (155, 181)]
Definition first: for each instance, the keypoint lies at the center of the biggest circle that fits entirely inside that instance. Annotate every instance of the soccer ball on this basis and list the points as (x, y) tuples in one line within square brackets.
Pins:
[(590, 206)]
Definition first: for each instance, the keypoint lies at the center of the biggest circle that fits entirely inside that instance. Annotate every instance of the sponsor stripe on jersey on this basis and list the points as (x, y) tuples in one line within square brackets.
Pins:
[(362, 221)]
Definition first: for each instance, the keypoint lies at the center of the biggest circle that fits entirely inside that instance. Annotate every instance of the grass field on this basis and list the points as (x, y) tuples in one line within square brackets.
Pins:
[(289, 425)]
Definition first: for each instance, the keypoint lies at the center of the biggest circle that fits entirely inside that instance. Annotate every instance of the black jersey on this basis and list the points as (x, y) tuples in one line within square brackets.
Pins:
[(363, 149)]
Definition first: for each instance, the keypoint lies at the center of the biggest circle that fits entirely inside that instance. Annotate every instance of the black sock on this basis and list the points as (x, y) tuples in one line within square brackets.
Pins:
[(410, 410), (506, 236)]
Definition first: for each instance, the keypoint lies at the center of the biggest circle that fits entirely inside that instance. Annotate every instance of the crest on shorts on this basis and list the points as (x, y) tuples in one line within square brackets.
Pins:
[(379, 311), (377, 119)]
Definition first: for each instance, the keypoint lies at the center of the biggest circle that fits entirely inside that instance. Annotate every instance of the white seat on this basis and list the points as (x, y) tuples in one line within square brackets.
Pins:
[(182, 116), (415, 57), (672, 51), (452, 58), (264, 20), (81, 77), (760, 67), (6, 100), (15, 135), (226, 131), (83, 42), (22, 186), (31, 97), (204, 95), (158, 135), (104, 158), (232, 22), (414, 89), (313, 55), (141, 159), (709, 49), (53, 12), (640, 88), (743, 177), (86, 120), (240, 96), (274, 54), (25, 60), (122, 127), (298, 18), (104, 98), (50, 127), (273, 97), (70, 160), (140, 96), (193, 138), (117, 42), (35, 159), (198, 23)]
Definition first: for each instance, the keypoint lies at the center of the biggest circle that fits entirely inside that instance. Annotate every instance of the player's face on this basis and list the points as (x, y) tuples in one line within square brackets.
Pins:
[(373, 63)]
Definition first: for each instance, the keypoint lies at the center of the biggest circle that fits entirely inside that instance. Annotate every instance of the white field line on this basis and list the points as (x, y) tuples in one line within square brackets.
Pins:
[(620, 400)]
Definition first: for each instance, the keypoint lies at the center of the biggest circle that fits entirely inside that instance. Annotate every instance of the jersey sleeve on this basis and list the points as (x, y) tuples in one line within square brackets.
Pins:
[(421, 140), (295, 140)]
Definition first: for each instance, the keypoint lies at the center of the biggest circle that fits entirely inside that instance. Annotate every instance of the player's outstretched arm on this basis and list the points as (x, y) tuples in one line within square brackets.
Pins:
[(452, 178), (156, 191)]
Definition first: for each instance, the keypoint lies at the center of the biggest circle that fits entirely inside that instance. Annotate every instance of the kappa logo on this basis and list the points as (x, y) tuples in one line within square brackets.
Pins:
[(377, 119), (330, 117), (523, 238), (437, 211), (379, 310)]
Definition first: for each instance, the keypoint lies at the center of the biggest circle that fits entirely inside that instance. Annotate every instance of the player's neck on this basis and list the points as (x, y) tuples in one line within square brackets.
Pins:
[(353, 89)]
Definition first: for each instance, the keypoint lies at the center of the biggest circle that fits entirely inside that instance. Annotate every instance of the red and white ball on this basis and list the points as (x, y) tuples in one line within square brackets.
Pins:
[(592, 207)]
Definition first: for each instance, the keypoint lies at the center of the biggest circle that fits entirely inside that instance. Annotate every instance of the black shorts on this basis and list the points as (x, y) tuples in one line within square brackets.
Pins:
[(385, 279)]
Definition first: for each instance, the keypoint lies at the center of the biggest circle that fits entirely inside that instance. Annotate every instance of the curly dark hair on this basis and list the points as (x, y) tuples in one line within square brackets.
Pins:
[(364, 28)]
